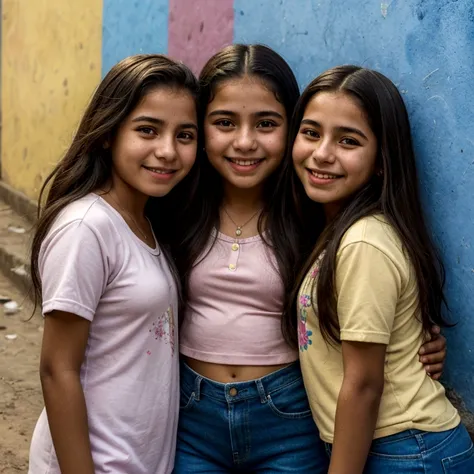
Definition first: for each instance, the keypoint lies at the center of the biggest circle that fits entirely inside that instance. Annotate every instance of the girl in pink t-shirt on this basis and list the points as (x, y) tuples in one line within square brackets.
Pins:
[(109, 361), (238, 249)]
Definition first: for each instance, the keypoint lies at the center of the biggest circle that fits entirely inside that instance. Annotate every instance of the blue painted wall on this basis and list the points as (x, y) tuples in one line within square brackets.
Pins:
[(133, 27), (427, 48)]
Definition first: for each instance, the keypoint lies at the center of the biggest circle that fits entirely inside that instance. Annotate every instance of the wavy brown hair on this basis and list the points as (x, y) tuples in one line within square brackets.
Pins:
[(394, 194), (87, 165)]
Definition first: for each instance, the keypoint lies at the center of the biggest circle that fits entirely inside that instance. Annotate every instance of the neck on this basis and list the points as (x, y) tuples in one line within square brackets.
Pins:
[(243, 200), (331, 210), (128, 198)]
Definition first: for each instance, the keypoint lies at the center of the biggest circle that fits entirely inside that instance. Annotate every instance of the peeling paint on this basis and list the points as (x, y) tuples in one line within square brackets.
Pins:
[(384, 9)]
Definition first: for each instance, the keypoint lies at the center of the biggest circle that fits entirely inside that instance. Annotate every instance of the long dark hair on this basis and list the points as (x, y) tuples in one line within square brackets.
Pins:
[(393, 193), (86, 166), (194, 229)]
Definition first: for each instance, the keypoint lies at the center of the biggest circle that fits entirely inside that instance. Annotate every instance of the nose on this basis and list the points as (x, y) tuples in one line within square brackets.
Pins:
[(245, 139), (166, 148), (324, 152)]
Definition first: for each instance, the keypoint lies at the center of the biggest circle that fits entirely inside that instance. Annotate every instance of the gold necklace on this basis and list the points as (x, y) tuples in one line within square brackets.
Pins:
[(130, 216), (238, 231)]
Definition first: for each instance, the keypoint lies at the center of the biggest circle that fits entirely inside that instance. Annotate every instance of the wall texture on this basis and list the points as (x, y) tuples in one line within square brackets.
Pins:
[(51, 58), (133, 27), (50, 65), (199, 29), (427, 48)]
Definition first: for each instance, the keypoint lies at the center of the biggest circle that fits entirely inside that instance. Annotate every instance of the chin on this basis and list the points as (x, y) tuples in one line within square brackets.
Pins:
[(157, 192), (247, 183), (316, 197)]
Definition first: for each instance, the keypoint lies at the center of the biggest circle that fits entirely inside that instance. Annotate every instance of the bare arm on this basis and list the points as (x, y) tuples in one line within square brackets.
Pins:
[(357, 406), (64, 343)]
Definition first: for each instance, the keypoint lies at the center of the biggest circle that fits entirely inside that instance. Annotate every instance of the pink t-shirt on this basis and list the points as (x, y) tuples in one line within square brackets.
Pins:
[(235, 306), (92, 265)]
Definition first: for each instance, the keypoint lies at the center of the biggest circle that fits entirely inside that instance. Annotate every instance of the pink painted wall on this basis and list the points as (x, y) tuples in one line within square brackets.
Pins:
[(198, 29)]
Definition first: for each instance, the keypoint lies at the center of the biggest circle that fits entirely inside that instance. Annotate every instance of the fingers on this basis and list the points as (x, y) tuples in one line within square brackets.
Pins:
[(433, 358), (438, 344), (433, 353), (434, 371)]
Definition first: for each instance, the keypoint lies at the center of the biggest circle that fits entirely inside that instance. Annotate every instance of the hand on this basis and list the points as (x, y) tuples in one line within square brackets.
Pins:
[(433, 353)]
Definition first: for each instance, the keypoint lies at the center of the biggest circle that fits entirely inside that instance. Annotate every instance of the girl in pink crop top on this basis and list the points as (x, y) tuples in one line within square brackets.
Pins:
[(238, 249)]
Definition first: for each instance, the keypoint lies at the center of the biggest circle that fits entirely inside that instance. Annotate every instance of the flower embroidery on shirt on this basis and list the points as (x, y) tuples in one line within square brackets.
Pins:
[(163, 329), (304, 335), (305, 301)]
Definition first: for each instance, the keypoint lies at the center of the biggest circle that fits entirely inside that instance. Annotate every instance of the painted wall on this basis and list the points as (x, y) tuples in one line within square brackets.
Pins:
[(425, 46), (50, 65), (133, 27), (184, 29)]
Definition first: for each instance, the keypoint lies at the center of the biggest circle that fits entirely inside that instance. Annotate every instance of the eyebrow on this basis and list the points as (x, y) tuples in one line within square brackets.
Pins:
[(157, 121), (262, 113), (341, 129)]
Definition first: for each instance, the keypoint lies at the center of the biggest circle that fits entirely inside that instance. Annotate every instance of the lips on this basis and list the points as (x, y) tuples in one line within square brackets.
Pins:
[(160, 170), (320, 175), (245, 162)]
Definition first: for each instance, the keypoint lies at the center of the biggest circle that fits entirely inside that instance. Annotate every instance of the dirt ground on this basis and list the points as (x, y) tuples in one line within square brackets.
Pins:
[(20, 393)]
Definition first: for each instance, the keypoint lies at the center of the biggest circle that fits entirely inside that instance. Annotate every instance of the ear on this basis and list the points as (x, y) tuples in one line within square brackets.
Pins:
[(380, 172), (106, 145)]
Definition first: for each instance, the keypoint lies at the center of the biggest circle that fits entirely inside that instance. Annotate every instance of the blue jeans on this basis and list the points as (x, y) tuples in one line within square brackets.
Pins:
[(421, 452), (259, 426)]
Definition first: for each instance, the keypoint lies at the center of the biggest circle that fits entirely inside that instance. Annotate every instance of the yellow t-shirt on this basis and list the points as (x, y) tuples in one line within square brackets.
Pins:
[(377, 299)]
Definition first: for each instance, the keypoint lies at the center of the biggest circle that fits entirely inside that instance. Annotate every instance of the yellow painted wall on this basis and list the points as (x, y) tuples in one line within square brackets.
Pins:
[(51, 63)]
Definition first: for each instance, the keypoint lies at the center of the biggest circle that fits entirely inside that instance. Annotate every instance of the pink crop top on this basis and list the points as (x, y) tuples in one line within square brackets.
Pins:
[(235, 305)]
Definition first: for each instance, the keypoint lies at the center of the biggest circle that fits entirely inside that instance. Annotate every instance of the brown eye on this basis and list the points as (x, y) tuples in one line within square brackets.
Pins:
[(146, 130), (310, 133), (187, 136), (350, 141), (224, 123), (266, 124)]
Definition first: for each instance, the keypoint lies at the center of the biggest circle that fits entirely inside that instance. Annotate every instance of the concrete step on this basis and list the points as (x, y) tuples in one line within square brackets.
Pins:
[(15, 241)]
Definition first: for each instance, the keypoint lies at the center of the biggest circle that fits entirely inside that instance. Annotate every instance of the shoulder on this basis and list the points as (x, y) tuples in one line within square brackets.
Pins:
[(375, 231), (373, 242), (89, 214)]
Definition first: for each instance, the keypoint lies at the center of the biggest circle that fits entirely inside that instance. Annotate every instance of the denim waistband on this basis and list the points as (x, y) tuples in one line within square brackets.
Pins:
[(237, 391), (425, 439)]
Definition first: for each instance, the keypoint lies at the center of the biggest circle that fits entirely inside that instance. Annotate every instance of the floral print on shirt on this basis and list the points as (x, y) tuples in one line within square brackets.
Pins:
[(163, 329), (304, 335), (304, 302)]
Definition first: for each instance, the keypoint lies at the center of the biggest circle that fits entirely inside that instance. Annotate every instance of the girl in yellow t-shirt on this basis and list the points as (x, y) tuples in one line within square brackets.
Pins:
[(373, 285)]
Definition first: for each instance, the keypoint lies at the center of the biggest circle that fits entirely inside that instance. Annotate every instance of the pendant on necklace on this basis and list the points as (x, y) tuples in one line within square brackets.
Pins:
[(238, 231)]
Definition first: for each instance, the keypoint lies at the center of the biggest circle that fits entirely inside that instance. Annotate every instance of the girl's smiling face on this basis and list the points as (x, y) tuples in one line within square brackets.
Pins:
[(335, 150), (245, 130), (155, 146)]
